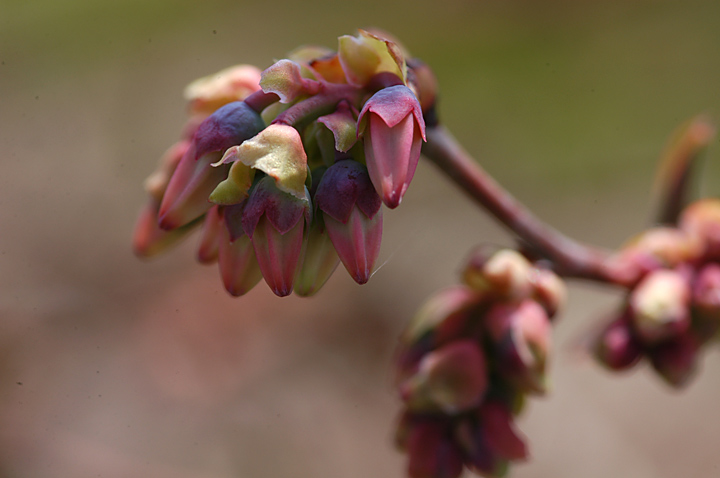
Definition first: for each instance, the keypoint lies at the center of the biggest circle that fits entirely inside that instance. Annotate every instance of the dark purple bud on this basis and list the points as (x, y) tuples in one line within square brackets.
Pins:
[(353, 216), (616, 347), (228, 126), (676, 359)]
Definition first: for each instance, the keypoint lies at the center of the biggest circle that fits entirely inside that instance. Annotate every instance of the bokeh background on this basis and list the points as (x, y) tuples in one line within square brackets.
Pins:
[(114, 367)]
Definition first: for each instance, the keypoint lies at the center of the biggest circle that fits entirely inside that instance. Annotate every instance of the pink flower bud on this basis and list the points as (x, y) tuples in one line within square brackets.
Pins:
[(432, 452), (660, 306), (194, 179), (148, 239), (156, 184), (522, 335), (210, 236), (706, 291), (238, 266), (661, 247), (446, 316), (549, 290), (616, 346), (452, 379), (702, 219), (275, 221), (500, 434), (207, 94), (505, 274), (469, 434), (393, 130), (353, 216)]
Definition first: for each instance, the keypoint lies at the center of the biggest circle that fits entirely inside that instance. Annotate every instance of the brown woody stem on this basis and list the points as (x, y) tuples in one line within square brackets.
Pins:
[(569, 257)]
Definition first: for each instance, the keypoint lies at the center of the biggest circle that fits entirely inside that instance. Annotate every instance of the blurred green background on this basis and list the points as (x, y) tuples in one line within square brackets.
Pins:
[(113, 367)]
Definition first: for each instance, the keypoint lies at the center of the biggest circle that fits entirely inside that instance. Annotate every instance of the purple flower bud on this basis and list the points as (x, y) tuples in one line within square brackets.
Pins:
[(676, 359), (659, 305), (522, 335), (393, 129), (453, 378), (616, 346), (353, 216), (275, 221), (238, 266), (194, 179)]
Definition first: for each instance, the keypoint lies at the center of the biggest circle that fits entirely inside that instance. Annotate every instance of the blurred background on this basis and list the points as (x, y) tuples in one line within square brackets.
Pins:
[(114, 367)]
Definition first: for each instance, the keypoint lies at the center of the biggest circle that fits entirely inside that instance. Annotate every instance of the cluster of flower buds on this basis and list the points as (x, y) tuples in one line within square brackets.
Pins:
[(286, 170), (467, 361), (674, 308)]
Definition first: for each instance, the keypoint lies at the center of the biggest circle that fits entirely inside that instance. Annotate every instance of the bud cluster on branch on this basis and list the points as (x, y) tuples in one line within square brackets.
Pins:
[(468, 360), (285, 172)]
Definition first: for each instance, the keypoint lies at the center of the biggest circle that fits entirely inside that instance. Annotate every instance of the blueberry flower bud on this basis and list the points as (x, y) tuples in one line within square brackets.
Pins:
[(504, 274), (660, 306), (702, 220), (522, 337), (706, 293), (194, 179), (393, 127), (275, 221), (548, 290), (445, 317), (661, 247), (205, 95), (453, 378), (239, 268), (210, 236), (676, 360), (353, 217), (432, 453), (149, 239), (319, 262), (616, 347)]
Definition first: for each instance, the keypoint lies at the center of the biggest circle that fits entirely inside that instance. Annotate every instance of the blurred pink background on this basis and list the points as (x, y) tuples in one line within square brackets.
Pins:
[(114, 367)]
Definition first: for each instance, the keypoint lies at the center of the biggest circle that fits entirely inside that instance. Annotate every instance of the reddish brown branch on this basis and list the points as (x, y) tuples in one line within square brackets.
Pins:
[(569, 258)]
